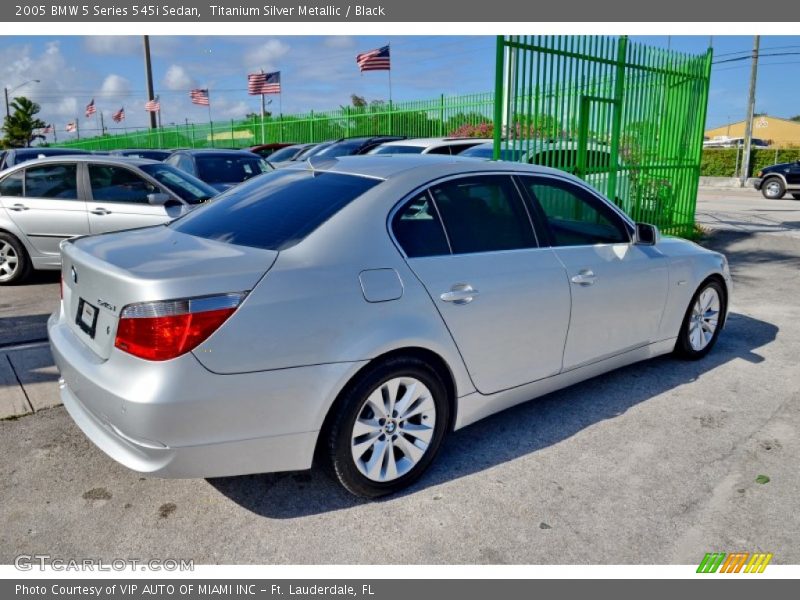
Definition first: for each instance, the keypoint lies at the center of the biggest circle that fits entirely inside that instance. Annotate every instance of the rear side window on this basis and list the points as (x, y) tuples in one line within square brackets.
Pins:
[(274, 211), (12, 185), (52, 181), (483, 214), (418, 230)]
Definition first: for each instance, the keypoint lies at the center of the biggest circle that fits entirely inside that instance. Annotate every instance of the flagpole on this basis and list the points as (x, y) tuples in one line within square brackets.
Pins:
[(160, 140), (77, 128), (55, 135), (391, 109), (263, 110), (102, 125), (280, 110)]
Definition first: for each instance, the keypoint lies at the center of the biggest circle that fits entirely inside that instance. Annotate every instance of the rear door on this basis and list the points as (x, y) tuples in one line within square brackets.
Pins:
[(505, 300), (48, 208), (618, 288), (119, 200)]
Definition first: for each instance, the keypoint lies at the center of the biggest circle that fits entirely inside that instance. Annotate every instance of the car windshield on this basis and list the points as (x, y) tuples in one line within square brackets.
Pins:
[(276, 211), (189, 188), (486, 151), (312, 151), (283, 154), (341, 149), (397, 149), (229, 168)]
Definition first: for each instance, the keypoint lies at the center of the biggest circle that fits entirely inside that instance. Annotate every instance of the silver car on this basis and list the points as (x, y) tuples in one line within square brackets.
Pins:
[(362, 308), (51, 199)]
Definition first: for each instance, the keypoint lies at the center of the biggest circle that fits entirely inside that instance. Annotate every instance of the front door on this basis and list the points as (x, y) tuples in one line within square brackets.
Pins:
[(618, 288), (119, 200)]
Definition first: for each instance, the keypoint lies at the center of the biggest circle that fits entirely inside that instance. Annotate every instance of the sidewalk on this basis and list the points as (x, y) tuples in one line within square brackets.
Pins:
[(28, 380)]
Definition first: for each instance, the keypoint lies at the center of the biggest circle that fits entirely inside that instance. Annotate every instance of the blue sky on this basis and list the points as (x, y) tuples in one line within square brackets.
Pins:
[(319, 73)]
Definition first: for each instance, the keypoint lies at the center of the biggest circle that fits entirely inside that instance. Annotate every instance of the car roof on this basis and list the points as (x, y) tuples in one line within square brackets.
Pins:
[(92, 158), (141, 150), (46, 149), (435, 141), (216, 152), (430, 166)]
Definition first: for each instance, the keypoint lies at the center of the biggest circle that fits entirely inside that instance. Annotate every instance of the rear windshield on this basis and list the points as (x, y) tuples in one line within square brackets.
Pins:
[(397, 149), (229, 169), (275, 211), (284, 154)]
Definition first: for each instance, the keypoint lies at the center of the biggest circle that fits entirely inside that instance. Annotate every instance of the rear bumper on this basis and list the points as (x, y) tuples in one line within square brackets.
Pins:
[(177, 419)]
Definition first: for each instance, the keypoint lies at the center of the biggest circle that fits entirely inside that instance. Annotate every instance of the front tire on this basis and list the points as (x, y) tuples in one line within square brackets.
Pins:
[(703, 321), (388, 427), (773, 189), (15, 264), (796, 196)]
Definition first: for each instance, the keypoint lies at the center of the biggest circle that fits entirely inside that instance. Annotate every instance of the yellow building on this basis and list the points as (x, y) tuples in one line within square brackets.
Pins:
[(779, 133)]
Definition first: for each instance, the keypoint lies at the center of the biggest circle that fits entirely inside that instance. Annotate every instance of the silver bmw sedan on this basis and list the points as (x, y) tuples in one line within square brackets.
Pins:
[(361, 308)]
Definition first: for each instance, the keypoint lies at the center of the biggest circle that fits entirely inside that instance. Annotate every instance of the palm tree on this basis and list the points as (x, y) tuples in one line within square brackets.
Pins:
[(20, 126)]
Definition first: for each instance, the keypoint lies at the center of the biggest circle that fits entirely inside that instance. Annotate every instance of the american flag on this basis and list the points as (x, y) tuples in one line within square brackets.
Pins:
[(264, 83), (90, 108), (71, 126), (200, 97), (119, 116), (46, 129), (152, 105), (374, 60)]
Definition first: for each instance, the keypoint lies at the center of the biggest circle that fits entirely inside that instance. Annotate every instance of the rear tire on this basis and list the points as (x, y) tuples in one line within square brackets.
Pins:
[(796, 196), (773, 188), (703, 321), (388, 427), (15, 264)]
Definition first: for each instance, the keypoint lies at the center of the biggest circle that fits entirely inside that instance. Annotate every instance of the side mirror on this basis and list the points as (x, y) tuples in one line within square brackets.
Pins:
[(158, 198), (646, 234)]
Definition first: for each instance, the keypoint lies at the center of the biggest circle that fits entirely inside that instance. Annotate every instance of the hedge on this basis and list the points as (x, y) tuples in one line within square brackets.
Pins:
[(721, 162)]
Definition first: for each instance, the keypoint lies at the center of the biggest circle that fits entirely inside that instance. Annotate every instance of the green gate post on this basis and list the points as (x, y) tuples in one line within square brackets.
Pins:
[(311, 128), (616, 118), (441, 116), (498, 96)]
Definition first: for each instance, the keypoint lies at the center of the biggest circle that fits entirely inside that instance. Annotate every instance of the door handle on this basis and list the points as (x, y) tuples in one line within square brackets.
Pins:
[(101, 211), (18, 207), (584, 277), (462, 293)]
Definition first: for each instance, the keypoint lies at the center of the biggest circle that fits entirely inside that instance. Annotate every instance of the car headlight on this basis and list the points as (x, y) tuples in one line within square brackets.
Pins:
[(760, 174)]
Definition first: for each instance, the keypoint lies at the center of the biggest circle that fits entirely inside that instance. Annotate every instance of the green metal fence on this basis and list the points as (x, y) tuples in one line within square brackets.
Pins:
[(436, 117), (626, 117)]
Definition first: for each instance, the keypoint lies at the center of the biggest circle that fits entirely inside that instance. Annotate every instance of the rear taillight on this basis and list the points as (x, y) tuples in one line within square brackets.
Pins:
[(164, 330)]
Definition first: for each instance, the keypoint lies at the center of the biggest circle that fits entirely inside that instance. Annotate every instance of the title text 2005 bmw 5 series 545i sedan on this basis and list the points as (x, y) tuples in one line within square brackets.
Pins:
[(363, 308)]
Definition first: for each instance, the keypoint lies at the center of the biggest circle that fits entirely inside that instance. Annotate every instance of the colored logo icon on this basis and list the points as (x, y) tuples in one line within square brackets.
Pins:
[(737, 562)]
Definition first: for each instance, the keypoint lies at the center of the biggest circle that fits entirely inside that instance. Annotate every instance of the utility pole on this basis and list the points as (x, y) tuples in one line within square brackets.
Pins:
[(148, 69), (751, 106)]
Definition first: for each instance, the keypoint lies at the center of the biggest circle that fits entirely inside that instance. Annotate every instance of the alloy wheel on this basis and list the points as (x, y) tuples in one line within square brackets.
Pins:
[(394, 429), (9, 261), (704, 319)]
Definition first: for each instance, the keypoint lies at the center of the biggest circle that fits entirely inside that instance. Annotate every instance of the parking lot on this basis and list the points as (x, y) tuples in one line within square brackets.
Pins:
[(653, 463)]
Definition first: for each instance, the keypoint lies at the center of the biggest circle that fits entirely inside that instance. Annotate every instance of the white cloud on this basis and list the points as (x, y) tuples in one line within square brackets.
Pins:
[(177, 78), (265, 55), (113, 44), (340, 41), (114, 85)]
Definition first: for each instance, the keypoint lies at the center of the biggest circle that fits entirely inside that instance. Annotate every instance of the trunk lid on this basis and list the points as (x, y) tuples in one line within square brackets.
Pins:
[(102, 274)]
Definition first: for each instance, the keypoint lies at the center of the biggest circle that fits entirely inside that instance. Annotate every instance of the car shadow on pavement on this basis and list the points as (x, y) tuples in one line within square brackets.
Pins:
[(516, 432), (22, 329)]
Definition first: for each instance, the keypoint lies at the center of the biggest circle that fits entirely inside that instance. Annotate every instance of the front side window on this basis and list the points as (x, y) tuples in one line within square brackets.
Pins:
[(117, 184), (483, 214), (418, 229), (574, 216), (58, 182)]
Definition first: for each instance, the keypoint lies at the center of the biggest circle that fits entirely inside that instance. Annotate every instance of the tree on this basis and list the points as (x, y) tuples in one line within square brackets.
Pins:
[(795, 118), (20, 126), (358, 101)]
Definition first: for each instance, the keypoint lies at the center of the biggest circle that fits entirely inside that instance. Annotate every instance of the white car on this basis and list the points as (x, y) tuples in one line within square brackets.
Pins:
[(443, 145)]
